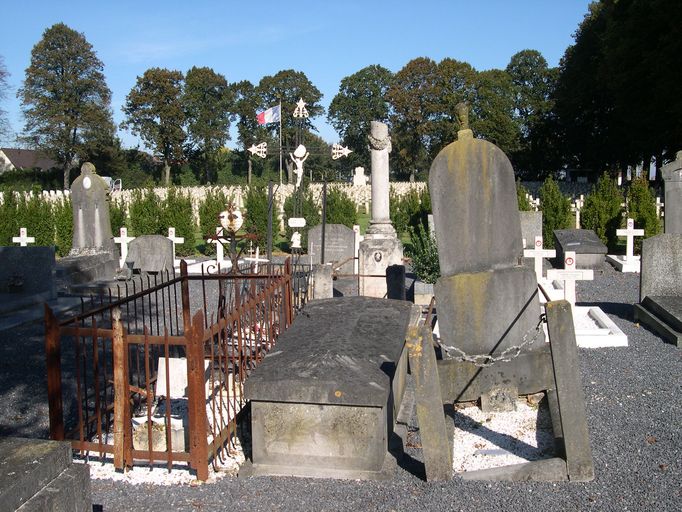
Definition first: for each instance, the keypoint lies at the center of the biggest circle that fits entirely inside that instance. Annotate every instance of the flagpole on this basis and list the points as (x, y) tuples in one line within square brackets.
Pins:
[(280, 141)]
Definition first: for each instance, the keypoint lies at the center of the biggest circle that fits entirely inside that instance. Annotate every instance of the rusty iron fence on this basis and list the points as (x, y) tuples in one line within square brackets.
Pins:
[(157, 376)]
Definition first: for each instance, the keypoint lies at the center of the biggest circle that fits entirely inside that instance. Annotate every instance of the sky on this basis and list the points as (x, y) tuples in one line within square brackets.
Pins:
[(248, 40)]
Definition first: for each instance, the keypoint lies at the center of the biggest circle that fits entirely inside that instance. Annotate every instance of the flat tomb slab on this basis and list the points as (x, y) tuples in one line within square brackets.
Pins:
[(324, 401), (589, 250), (623, 264), (662, 314)]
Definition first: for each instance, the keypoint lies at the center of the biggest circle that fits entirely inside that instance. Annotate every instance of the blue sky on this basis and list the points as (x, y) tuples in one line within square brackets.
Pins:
[(248, 40)]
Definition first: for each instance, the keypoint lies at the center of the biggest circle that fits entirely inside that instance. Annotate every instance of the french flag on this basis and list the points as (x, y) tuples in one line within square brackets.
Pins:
[(271, 115)]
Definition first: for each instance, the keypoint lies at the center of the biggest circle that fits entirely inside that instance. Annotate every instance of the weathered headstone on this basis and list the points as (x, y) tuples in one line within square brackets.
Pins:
[(339, 246), (672, 176), (590, 251), (531, 226), (323, 284), (151, 253)]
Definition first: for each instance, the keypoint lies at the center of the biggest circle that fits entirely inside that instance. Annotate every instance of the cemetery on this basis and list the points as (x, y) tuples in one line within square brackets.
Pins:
[(438, 322)]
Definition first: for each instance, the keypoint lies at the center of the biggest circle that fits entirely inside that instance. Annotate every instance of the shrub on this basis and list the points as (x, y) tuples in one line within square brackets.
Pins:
[(410, 210), (256, 217), (8, 217), (145, 213), (215, 202), (307, 209), (35, 214), (424, 254), (642, 208), (177, 213), (63, 220), (602, 211), (340, 208), (522, 197), (556, 210), (117, 216)]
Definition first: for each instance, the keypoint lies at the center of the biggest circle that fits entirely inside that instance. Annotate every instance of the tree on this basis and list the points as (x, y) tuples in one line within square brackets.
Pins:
[(207, 101), (154, 111), (64, 97), (4, 87), (493, 108), (361, 99)]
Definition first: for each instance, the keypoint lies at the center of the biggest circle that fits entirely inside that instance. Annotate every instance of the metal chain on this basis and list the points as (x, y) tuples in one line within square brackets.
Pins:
[(485, 360)]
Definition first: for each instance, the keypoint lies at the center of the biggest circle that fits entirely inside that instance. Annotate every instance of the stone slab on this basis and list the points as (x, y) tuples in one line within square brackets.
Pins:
[(27, 276), (594, 329), (590, 251), (75, 270), (623, 264), (151, 253), (547, 470), (661, 273), (375, 255), (423, 293), (531, 226), (672, 176), (657, 325), (668, 309), (339, 246), (69, 492)]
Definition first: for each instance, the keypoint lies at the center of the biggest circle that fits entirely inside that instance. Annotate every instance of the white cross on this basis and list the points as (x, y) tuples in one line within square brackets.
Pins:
[(659, 207), (124, 240), (577, 206), (257, 260), (538, 254), (23, 239), (219, 240), (630, 233), (569, 275), (176, 240)]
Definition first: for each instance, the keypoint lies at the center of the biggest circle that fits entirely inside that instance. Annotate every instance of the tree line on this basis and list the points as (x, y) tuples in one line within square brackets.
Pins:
[(610, 103)]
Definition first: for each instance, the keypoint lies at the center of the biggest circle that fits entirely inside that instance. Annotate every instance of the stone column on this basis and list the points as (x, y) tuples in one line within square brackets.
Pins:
[(380, 145), (672, 176)]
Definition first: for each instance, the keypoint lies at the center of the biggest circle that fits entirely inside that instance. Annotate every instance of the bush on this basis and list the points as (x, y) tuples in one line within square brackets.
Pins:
[(117, 216), (308, 210), (424, 254), (35, 214), (556, 210), (256, 217), (63, 220), (602, 211), (522, 197), (340, 208), (642, 208), (177, 213), (410, 210), (146, 213), (8, 217), (215, 202)]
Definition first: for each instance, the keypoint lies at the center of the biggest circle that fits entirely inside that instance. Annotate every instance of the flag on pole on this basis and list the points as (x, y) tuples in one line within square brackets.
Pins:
[(271, 115)]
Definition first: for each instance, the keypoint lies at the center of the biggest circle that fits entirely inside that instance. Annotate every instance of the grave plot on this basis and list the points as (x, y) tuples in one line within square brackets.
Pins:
[(628, 262)]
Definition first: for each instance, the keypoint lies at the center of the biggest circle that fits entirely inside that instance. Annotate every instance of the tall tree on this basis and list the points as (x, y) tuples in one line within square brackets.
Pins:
[(492, 110), (64, 97), (361, 99), (154, 111), (207, 101), (4, 87)]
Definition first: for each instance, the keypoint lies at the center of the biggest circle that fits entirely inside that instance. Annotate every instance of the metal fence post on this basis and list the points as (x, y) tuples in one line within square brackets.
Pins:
[(198, 424), (53, 353)]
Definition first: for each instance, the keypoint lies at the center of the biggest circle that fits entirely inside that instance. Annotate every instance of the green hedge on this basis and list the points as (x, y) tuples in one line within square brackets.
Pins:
[(215, 202), (556, 210), (642, 208), (340, 208), (602, 211), (256, 219)]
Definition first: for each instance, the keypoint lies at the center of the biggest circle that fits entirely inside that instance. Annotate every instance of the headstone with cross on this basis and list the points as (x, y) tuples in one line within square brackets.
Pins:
[(176, 240), (23, 239), (629, 262), (539, 254), (569, 275), (123, 240)]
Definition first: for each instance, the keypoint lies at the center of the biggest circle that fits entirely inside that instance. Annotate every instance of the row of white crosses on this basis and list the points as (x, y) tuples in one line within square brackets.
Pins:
[(124, 240)]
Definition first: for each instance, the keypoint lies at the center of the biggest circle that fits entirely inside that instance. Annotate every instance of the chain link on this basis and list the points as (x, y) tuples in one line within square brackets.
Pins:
[(485, 360)]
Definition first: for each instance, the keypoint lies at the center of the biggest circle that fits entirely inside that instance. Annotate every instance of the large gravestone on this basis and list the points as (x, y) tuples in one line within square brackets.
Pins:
[(150, 253), (531, 226), (672, 176), (339, 246), (324, 401), (590, 251), (660, 290), (487, 303), (27, 276), (94, 255)]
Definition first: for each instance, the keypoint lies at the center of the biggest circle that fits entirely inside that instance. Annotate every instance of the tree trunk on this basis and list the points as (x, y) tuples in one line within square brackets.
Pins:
[(67, 174), (166, 172)]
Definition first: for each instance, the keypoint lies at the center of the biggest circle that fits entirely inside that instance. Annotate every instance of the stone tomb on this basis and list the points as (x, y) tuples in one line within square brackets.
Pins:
[(339, 246), (589, 249), (151, 253), (27, 276), (325, 400), (660, 289), (672, 176)]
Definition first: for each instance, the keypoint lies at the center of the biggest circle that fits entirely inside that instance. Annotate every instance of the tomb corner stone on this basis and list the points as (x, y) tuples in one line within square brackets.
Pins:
[(672, 177)]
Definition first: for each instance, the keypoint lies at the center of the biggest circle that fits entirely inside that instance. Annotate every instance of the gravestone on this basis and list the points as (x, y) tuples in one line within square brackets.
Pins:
[(672, 176), (150, 253), (589, 250), (531, 227), (339, 246), (660, 290), (93, 255), (324, 401), (27, 276), (628, 262)]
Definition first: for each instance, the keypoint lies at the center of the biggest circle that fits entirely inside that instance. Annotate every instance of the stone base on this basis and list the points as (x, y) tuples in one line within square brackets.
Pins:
[(662, 321), (423, 293), (74, 270), (375, 255), (619, 262), (594, 329)]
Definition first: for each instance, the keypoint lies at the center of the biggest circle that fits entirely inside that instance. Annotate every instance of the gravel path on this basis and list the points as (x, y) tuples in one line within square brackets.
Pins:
[(633, 397)]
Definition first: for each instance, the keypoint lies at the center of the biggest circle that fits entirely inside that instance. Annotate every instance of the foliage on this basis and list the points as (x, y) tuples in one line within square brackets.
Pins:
[(145, 213), (117, 216), (8, 217), (340, 208), (35, 214), (424, 254), (186, 177), (177, 213), (642, 209), (256, 217), (522, 197), (64, 97), (154, 111), (215, 202), (409, 211), (602, 211), (556, 210), (493, 110), (63, 222), (27, 179), (308, 210), (4, 87)]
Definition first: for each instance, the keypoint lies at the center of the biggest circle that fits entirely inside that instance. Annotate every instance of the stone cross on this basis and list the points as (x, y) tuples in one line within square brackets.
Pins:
[(630, 233), (218, 240), (23, 239), (257, 260), (538, 254), (123, 240), (577, 206), (569, 275), (176, 240), (659, 207)]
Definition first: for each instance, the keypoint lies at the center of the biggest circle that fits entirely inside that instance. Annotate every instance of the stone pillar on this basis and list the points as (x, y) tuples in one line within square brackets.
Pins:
[(672, 176), (381, 247)]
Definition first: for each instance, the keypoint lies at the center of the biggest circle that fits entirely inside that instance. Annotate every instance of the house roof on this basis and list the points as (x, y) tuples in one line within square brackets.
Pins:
[(28, 159)]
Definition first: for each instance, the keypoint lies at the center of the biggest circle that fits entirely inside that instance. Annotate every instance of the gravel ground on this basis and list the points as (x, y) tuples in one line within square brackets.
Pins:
[(633, 397)]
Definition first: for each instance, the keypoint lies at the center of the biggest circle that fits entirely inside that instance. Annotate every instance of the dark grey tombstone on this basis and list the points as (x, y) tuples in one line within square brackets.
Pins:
[(395, 282), (150, 253), (660, 290), (590, 251), (531, 226), (672, 176), (339, 246), (324, 401), (27, 276)]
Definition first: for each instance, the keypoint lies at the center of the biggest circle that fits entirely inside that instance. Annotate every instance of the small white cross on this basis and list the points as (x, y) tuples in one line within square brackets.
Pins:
[(176, 240), (23, 239), (257, 260), (577, 206), (218, 241), (124, 240), (659, 207), (630, 233), (538, 254), (569, 275)]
